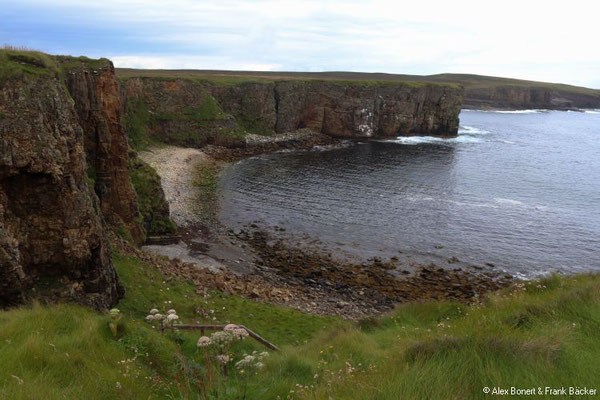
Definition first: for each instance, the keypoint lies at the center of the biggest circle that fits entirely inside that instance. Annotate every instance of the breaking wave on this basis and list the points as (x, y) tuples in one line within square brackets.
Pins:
[(471, 130), (532, 111), (413, 140)]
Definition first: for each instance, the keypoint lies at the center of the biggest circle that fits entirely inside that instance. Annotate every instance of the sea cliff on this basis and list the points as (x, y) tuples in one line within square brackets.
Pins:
[(65, 179), (52, 239), (196, 112)]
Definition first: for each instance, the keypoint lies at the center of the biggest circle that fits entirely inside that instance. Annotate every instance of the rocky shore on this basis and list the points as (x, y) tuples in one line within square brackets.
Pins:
[(255, 264)]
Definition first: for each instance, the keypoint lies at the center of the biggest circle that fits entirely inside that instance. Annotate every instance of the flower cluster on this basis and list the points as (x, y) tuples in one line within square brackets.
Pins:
[(164, 320), (223, 358), (251, 361), (236, 331), (219, 343)]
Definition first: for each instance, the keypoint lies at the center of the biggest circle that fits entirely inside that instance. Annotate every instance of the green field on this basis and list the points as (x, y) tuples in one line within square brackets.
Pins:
[(544, 333), (468, 81), (228, 78)]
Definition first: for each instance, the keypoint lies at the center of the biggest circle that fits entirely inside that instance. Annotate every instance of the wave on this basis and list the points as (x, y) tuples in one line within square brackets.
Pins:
[(413, 140), (508, 201), (531, 111), (471, 130), (591, 111)]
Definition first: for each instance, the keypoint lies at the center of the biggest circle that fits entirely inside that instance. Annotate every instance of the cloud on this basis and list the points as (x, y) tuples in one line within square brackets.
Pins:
[(523, 39)]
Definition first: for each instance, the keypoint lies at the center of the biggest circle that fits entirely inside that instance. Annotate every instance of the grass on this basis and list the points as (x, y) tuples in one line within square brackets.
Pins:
[(147, 288), (68, 63), (19, 63), (468, 81), (136, 121), (189, 125), (68, 351), (16, 63), (152, 205), (235, 78), (544, 333)]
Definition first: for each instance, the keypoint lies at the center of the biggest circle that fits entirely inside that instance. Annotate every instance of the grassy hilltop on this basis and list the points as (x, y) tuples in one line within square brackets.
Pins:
[(468, 81), (480, 91)]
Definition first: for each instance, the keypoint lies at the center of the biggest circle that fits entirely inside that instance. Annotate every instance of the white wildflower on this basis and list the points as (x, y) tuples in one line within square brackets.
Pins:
[(223, 358), (154, 311), (172, 317), (221, 338), (261, 356), (230, 327), (149, 317), (171, 311), (158, 317), (240, 333), (204, 341), (259, 365), (245, 362)]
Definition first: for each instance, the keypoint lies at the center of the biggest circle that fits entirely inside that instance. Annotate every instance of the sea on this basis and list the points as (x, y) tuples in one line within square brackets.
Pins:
[(517, 190)]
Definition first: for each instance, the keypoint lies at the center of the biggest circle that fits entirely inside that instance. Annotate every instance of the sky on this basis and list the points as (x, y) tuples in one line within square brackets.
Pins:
[(555, 41)]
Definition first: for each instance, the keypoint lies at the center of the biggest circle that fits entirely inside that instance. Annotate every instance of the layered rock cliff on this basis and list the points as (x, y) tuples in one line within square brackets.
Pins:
[(514, 97), (52, 242), (485, 92), (95, 92), (66, 174), (198, 112)]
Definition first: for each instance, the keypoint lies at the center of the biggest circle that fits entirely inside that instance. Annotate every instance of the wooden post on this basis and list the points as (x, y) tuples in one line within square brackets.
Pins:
[(202, 328)]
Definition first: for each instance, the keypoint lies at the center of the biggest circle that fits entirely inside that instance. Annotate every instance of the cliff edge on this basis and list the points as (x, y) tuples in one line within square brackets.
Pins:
[(195, 111), (52, 241)]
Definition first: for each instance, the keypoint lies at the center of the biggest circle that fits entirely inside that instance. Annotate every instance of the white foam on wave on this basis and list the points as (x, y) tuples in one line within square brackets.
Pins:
[(506, 141), (471, 130), (533, 111), (508, 201), (591, 111), (413, 140)]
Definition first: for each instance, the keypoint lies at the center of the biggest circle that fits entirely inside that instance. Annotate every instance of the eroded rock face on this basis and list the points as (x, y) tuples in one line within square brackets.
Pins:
[(523, 97), (97, 102), (367, 110), (175, 108), (52, 242)]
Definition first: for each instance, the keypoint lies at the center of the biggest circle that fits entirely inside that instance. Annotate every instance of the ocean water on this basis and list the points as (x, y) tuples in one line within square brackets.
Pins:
[(520, 190)]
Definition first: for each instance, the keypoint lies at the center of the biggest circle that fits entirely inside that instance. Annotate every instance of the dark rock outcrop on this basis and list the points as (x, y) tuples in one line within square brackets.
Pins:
[(152, 204), (52, 243)]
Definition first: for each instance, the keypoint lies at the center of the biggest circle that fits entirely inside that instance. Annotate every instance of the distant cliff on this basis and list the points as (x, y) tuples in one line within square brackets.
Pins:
[(481, 92), (527, 97), (201, 111), (486, 92)]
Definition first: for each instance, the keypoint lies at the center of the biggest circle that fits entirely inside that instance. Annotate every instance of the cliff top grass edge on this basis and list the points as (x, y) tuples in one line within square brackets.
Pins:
[(20, 62), (231, 78)]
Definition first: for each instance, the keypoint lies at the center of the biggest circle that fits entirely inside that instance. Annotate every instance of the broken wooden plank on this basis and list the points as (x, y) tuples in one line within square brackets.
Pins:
[(202, 328)]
